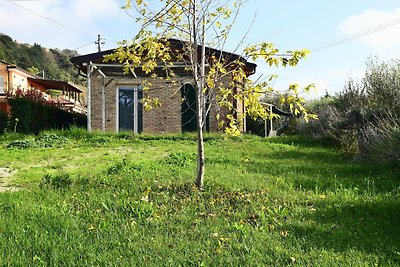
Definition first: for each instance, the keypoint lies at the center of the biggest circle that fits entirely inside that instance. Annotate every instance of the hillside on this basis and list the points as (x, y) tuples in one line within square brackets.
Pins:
[(34, 58)]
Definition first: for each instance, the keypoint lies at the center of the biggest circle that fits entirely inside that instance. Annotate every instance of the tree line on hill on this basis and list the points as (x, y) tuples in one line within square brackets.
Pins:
[(33, 114), (36, 59)]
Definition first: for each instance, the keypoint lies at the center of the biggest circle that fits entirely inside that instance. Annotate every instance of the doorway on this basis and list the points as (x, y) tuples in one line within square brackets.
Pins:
[(130, 110), (188, 109)]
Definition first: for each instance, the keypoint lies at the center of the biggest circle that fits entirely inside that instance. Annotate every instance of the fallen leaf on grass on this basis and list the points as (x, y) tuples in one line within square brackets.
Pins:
[(284, 233)]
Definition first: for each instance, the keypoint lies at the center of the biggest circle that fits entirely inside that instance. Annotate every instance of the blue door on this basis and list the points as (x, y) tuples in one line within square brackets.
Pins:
[(130, 115)]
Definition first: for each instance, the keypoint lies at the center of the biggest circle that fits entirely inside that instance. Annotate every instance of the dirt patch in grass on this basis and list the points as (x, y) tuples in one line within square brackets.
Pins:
[(5, 180)]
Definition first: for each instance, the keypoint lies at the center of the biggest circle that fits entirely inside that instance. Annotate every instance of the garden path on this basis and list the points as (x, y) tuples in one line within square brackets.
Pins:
[(5, 180)]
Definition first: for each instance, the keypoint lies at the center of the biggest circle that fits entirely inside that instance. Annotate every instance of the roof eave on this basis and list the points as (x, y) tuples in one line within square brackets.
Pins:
[(98, 56)]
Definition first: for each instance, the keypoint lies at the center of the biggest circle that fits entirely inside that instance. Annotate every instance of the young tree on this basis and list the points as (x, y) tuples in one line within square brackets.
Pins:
[(218, 78)]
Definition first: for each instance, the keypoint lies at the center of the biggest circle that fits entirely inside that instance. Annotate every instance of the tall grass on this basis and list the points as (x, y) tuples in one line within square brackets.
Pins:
[(131, 202)]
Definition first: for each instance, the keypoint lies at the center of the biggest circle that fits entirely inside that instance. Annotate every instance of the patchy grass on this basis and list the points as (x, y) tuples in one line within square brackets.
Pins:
[(124, 200)]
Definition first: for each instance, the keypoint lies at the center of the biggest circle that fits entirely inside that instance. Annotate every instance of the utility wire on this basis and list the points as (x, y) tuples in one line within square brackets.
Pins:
[(112, 41), (49, 19), (92, 42), (356, 35), (42, 16)]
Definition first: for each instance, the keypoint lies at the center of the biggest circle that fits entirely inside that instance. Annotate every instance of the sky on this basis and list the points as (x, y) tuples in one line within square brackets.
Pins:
[(341, 35)]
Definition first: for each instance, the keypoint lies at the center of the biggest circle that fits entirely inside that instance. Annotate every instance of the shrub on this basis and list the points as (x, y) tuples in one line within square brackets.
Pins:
[(364, 118), (21, 144), (50, 140), (381, 140), (325, 126), (46, 140), (59, 181), (3, 122), (32, 116)]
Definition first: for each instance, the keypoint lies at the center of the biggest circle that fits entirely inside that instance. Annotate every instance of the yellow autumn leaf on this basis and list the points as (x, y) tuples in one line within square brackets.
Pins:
[(284, 233)]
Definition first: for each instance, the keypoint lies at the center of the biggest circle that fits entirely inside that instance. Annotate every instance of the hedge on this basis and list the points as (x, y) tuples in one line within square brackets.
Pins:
[(30, 116), (3, 121)]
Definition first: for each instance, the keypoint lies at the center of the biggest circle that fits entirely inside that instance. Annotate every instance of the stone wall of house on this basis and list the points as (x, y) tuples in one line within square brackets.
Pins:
[(223, 111), (167, 117), (97, 82), (213, 123), (164, 119)]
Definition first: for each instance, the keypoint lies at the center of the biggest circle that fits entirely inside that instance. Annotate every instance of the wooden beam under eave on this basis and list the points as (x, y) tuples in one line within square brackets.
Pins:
[(88, 98)]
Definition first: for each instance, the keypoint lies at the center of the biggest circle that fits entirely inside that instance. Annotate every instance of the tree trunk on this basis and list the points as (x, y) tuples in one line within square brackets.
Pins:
[(200, 142), (199, 75)]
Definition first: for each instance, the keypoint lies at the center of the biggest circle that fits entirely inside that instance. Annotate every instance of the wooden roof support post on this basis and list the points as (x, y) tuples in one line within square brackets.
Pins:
[(270, 119), (63, 90), (270, 122), (103, 102), (265, 128), (88, 97), (244, 120)]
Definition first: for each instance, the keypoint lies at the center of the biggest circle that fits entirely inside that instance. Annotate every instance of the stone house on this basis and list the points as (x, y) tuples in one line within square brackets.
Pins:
[(14, 79), (114, 99)]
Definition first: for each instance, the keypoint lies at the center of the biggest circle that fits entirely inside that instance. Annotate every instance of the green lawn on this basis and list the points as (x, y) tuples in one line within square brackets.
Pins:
[(103, 200)]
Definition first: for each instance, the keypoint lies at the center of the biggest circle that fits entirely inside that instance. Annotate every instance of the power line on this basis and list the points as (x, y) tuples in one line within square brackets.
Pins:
[(92, 42), (308, 80), (356, 35), (113, 41), (49, 19), (42, 16)]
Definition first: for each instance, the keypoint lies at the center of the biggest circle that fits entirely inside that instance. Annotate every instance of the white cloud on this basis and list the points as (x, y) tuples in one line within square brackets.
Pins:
[(93, 10), (58, 23), (385, 37)]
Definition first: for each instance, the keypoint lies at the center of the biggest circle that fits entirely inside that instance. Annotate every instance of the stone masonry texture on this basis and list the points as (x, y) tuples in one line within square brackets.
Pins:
[(164, 119)]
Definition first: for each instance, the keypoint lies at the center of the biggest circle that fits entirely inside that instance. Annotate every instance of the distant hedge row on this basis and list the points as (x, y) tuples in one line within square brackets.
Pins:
[(3, 122), (29, 116)]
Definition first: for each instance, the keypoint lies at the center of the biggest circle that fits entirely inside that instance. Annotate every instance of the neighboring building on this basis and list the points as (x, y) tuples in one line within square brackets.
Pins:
[(114, 99), (14, 79), (268, 124)]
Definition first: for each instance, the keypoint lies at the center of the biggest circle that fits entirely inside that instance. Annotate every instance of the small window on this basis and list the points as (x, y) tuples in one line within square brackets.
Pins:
[(2, 84)]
